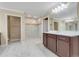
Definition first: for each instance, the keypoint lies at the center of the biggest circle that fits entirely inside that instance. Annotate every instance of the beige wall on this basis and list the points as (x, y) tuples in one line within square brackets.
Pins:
[(78, 9), (3, 29), (78, 12), (0, 22), (3, 26)]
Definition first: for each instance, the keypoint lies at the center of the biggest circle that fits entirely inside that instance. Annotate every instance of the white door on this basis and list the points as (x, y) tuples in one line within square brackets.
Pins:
[(45, 25)]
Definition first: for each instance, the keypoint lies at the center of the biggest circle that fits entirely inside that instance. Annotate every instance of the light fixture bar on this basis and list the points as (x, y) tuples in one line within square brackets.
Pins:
[(60, 8)]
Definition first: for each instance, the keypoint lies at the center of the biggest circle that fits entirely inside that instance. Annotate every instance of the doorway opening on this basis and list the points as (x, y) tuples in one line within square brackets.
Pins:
[(45, 24), (14, 28)]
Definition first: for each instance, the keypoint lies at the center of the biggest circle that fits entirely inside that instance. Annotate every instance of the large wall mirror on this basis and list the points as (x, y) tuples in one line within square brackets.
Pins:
[(63, 25)]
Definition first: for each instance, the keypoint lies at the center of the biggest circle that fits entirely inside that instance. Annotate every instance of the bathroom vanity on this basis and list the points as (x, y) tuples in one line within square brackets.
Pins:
[(64, 44)]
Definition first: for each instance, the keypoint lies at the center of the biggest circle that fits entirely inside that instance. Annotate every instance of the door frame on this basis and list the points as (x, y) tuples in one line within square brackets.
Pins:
[(7, 26)]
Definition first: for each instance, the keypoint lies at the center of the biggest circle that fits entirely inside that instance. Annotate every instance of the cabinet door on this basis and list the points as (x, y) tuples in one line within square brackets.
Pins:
[(51, 44), (62, 48), (44, 39)]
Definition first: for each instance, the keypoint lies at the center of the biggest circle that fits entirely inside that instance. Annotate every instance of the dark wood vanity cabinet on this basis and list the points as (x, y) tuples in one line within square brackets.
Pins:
[(44, 39), (51, 42), (63, 46)]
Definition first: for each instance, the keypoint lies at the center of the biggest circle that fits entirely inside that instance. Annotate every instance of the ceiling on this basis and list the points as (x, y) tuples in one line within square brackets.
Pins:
[(33, 8), (39, 9)]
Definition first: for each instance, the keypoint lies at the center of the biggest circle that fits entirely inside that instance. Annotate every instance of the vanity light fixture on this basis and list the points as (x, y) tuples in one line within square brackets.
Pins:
[(60, 8), (53, 11), (56, 10), (64, 5)]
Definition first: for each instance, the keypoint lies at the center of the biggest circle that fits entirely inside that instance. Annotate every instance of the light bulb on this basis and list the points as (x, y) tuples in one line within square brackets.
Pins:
[(56, 10), (63, 5), (59, 8)]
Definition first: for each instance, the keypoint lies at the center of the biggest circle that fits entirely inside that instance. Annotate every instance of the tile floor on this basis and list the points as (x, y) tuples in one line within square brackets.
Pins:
[(27, 48)]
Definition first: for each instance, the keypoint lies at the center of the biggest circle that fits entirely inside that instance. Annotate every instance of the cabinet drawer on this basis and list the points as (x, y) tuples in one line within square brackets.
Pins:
[(51, 36), (64, 38)]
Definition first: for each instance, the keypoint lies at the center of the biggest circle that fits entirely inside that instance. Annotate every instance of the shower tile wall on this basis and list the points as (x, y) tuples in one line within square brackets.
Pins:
[(32, 31)]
